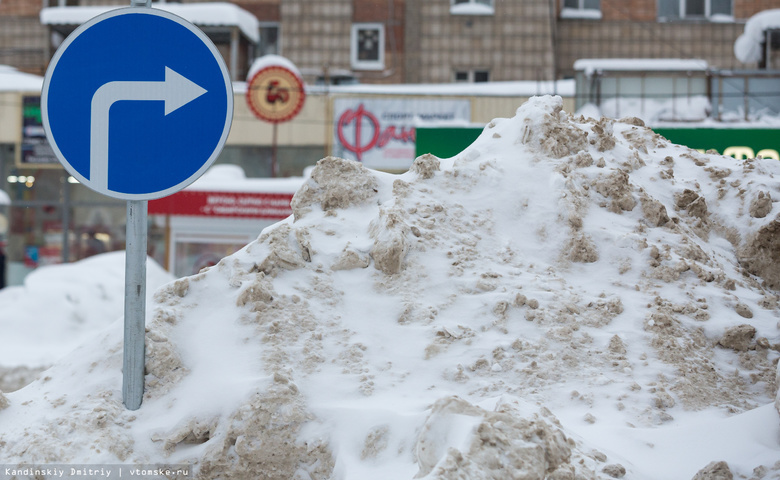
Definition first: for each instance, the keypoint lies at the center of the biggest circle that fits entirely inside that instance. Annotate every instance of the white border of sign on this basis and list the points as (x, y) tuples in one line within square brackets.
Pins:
[(135, 11)]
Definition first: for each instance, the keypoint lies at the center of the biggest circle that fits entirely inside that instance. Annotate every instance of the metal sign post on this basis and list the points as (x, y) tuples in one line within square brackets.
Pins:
[(134, 352), (135, 305), (145, 125)]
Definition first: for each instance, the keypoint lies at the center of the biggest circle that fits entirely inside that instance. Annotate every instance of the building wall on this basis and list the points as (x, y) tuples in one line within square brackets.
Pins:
[(425, 43), (20, 7), (23, 39), (634, 10), (744, 9), (391, 14), (315, 34), (645, 10), (713, 42), (630, 29), (10, 117), (264, 10), (513, 44)]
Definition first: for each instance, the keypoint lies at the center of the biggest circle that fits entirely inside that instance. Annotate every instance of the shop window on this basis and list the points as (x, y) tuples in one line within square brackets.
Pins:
[(581, 9), (472, 76), (471, 7), (368, 46), (695, 10)]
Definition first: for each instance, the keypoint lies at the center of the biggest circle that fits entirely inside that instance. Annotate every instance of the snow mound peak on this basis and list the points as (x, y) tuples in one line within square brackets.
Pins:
[(390, 327)]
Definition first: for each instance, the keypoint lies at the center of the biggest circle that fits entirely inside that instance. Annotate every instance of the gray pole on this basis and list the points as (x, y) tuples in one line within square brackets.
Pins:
[(135, 295), (65, 219), (135, 305)]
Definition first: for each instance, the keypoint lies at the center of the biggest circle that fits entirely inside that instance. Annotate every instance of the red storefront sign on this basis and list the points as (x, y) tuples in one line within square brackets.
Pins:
[(274, 206)]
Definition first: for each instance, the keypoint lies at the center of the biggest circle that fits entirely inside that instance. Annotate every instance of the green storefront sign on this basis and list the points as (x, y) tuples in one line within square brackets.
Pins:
[(735, 142), (445, 142)]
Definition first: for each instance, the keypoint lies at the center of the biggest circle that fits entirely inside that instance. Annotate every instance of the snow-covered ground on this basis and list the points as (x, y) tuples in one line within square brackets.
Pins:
[(60, 307), (565, 299)]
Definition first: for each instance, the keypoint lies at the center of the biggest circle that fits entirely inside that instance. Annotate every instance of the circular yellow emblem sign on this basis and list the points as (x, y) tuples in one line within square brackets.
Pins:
[(275, 94)]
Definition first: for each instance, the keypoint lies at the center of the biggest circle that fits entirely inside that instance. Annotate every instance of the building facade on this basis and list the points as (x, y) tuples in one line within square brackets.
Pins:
[(442, 41)]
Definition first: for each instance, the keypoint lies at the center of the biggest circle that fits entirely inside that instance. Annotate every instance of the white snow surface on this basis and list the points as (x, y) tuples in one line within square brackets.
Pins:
[(59, 307), (80, 298), (471, 8), (654, 112), (232, 178), (748, 46), (12, 80), (523, 88), (272, 61), (201, 14), (567, 298), (591, 65)]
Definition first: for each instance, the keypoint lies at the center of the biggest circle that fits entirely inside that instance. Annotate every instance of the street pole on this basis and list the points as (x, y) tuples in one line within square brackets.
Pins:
[(135, 305), (135, 295)]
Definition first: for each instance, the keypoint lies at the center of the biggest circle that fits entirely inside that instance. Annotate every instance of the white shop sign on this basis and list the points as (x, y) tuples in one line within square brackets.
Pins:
[(381, 132)]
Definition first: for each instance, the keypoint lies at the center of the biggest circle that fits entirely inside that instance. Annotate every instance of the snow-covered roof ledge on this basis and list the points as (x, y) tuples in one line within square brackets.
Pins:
[(523, 88), (471, 9), (589, 65), (12, 80), (215, 14), (747, 47)]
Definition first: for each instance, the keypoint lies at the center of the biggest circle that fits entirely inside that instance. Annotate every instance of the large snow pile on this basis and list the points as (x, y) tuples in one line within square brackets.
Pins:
[(58, 308), (568, 298)]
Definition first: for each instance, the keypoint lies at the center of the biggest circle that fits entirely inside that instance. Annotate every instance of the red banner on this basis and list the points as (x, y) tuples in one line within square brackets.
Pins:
[(273, 206)]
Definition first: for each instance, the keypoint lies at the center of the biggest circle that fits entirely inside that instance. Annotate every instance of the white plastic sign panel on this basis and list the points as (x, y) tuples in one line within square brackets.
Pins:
[(137, 103)]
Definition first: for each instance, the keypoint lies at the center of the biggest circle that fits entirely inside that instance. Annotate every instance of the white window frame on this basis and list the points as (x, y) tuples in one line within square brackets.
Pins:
[(681, 15), (472, 7), (356, 62), (580, 11)]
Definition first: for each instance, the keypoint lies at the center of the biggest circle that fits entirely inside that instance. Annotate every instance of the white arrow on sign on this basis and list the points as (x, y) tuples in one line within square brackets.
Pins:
[(176, 91)]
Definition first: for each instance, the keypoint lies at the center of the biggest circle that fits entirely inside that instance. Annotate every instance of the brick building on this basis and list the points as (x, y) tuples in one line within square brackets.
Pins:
[(703, 29), (441, 41)]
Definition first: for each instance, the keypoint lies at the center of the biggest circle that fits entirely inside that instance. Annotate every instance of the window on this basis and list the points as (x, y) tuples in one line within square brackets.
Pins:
[(471, 7), (581, 9), (695, 9), (367, 49), (472, 76), (269, 39)]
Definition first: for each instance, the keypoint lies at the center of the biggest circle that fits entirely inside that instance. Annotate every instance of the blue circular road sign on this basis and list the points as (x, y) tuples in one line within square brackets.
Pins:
[(137, 103)]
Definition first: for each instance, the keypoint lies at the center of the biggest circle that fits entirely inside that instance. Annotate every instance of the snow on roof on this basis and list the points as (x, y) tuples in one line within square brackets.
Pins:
[(590, 65), (471, 9), (231, 178), (200, 14), (747, 47), (269, 61), (12, 80), (564, 88)]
